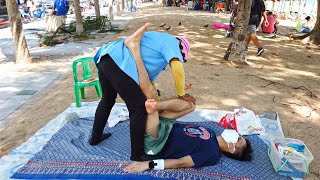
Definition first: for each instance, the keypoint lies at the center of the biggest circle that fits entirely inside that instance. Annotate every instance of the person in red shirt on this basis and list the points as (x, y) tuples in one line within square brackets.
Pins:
[(273, 24)]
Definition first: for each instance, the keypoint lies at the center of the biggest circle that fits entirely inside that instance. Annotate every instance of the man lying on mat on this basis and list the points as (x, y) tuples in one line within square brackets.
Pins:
[(180, 145)]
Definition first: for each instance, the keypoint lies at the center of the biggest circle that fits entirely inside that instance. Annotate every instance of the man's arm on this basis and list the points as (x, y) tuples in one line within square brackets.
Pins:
[(266, 22), (264, 14), (184, 162)]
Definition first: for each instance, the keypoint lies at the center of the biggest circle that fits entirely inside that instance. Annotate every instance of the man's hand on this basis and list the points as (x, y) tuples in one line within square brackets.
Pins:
[(137, 167), (189, 98)]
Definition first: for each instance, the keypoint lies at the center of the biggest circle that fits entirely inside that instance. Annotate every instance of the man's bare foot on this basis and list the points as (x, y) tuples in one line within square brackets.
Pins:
[(151, 106), (134, 40)]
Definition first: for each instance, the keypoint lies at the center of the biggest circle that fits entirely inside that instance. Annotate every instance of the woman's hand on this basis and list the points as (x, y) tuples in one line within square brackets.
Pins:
[(137, 167), (189, 98)]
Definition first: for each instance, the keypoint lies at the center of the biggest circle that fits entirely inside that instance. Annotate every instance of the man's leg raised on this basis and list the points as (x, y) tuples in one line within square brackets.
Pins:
[(133, 44)]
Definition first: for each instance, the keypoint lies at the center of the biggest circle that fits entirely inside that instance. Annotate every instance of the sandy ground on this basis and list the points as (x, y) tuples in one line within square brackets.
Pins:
[(286, 79)]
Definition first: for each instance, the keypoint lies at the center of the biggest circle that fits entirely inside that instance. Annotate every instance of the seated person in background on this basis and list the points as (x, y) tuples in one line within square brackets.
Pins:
[(304, 26), (273, 24), (181, 145)]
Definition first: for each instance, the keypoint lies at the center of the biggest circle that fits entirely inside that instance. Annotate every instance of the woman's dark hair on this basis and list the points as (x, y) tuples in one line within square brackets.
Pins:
[(245, 155), (308, 18), (181, 47), (269, 13)]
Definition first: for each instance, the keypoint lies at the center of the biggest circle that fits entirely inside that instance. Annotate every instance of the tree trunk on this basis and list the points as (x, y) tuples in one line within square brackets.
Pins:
[(110, 8), (228, 2), (122, 7), (22, 55), (96, 7), (118, 7), (237, 48), (314, 36), (77, 11), (127, 4)]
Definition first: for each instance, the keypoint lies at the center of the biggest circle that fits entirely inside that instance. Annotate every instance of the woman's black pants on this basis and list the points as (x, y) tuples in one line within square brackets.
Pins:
[(114, 81)]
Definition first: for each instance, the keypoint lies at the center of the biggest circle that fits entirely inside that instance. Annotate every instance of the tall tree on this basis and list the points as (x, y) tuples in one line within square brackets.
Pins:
[(228, 2), (127, 5), (122, 7), (77, 11), (118, 7), (110, 10), (96, 7), (237, 48), (22, 54)]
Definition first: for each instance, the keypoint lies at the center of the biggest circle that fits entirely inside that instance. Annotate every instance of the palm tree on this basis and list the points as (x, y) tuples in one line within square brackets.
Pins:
[(22, 54)]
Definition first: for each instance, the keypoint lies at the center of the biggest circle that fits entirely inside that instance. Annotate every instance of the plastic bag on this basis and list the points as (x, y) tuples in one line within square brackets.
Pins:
[(244, 121)]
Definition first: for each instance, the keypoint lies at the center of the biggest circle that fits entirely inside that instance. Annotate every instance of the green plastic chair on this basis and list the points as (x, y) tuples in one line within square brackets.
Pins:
[(88, 79)]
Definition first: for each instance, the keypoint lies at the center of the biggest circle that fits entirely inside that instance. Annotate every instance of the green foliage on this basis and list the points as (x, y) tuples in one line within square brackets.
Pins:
[(100, 24), (93, 23), (71, 27), (49, 41), (81, 36)]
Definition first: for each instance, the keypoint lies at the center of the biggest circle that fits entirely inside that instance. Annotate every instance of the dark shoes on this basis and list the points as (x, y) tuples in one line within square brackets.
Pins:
[(260, 51), (94, 141)]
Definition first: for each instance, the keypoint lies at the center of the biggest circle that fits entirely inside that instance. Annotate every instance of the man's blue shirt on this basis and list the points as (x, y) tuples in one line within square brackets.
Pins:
[(61, 6), (157, 50), (198, 142)]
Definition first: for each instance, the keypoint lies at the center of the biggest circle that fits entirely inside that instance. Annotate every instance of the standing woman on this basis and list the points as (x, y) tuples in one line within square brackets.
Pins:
[(118, 75)]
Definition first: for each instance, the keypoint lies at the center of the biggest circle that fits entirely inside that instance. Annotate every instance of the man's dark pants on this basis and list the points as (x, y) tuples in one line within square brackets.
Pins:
[(113, 80)]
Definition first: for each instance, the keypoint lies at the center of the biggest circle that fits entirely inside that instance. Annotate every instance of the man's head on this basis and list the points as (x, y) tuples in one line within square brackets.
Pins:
[(184, 47), (242, 151), (308, 18)]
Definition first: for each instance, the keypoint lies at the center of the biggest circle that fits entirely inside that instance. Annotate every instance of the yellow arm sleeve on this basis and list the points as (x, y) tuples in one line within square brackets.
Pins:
[(179, 76), (154, 84)]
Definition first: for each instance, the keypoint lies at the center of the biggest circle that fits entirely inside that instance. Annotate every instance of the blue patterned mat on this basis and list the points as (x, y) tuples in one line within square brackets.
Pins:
[(69, 156)]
